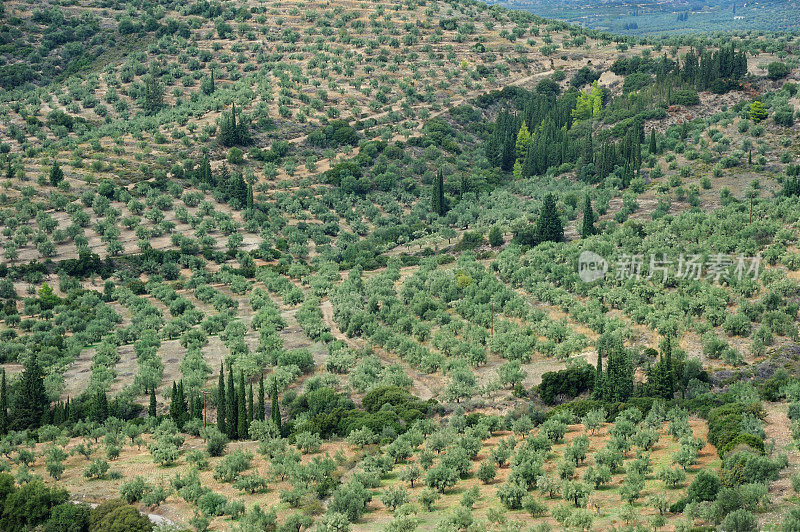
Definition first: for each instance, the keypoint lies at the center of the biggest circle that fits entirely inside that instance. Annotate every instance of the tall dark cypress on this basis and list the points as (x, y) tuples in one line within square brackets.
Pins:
[(599, 377), (260, 410), (174, 412), (653, 148), (250, 412), (438, 204), (183, 407), (587, 227), (221, 408), (669, 374), (242, 428), (276, 411), (231, 411), (152, 410), (100, 406), (3, 403), (28, 410), (549, 227)]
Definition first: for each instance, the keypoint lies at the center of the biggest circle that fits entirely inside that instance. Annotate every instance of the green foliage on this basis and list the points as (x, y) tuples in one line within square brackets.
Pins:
[(350, 499), (30, 505), (704, 487), (68, 517), (777, 70), (757, 112), (566, 383)]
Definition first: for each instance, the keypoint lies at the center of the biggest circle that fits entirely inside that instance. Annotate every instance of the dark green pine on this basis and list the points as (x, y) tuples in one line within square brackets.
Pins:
[(231, 411), (260, 408), (221, 409), (242, 428)]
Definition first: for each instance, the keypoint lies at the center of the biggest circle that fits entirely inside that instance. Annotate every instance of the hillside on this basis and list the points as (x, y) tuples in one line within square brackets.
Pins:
[(334, 265)]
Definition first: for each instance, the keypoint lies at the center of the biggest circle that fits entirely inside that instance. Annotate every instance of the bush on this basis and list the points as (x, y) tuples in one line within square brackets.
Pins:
[(101, 510), (216, 441), (685, 97), (495, 237), (68, 517), (725, 424), (511, 494), (212, 504), (791, 523), (133, 490), (123, 518), (350, 499), (30, 506), (784, 116), (737, 325), (233, 464), (740, 521), (741, 441), (97, 469), (777, 70), (744, 467), (568, 383), (704, 487)]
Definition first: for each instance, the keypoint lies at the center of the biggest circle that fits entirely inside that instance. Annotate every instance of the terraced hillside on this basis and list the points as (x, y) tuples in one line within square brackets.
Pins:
[(283, 265)]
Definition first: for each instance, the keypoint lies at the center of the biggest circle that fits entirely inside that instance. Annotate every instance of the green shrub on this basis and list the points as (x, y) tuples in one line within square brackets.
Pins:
[(704, 487), (568, 383), (68, 517), (685, 97), (30, 506), (740, 521), (777, 70), (133, 490)]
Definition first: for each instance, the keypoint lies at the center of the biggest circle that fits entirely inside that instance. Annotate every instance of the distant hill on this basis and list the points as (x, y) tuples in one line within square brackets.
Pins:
[(652, 17)]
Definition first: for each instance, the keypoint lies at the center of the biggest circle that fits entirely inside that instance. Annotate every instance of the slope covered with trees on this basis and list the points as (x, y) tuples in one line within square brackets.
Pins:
[(284, 265)]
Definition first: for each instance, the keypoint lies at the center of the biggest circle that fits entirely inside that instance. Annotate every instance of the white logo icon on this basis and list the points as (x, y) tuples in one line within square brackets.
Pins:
[(591, 266)]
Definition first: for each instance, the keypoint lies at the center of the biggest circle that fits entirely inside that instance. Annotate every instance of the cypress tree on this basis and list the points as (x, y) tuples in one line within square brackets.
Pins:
[(100, 406), (221, 409), (589, 217), (438, 203), (549, 227), (151, 411), (618, 385), (276, 411), (250, 412), (249, 203), (260, 408), (231, 411), (178, 410), (173, 405), (28, 409), (3, 403), (669, 374), (241, 428), (56, 174), (599, 392), (183, 407), (653, 146), (204, 173)]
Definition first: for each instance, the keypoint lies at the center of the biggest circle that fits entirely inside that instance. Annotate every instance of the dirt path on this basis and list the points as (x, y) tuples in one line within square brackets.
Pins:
[(778, 428)]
